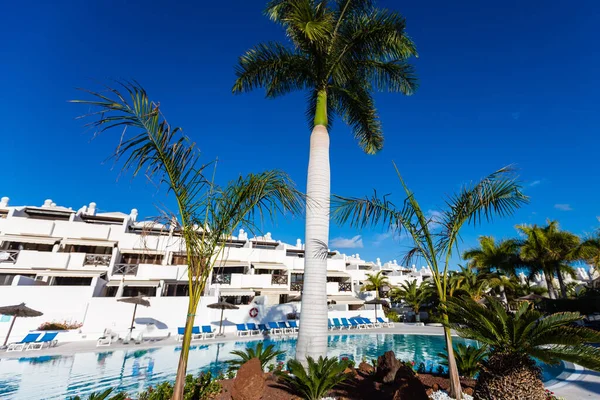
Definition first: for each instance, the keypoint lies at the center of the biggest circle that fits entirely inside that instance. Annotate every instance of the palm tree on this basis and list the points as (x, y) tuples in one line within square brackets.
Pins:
[(375, 283), (436, 238), (475, 284), (338, 52), (510, 372), (491, 257), (590, 249), (547, 249), (414, 295), (207, 214)]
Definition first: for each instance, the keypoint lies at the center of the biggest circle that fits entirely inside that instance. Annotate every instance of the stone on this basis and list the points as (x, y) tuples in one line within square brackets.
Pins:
[(249, 382), (366, 368), (387, 366), (468, 391), (409, 387)]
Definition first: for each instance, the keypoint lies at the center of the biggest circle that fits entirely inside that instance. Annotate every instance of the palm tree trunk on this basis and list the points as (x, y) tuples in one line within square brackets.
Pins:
[(178, 389), (503, 295), (551, 291), (561, 283), (312, 338), (455, 388)]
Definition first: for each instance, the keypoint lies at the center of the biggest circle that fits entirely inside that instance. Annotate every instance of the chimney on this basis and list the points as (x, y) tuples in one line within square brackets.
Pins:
[(133, 214), (4, 201), (47, 203), (299, 243), (92, 209)]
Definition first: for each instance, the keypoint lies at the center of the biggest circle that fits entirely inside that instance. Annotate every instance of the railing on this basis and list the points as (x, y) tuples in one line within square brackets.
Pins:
[(296, 287), (125, 269), (97, 259), (344, 287), (223, 279), (9, 256), (279, 280)]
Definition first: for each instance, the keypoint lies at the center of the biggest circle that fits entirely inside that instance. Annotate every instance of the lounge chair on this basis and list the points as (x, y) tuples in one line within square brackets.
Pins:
[(196, 333), (293, 326), (19, 346), (336, 324), (48, 337), (368, 324), (358, 324), (262, 328), (388, 324), (107, 338), (274, 329), (375, 324), (242, 330), (330, 326), (253, 329), (345, 323), (285, 328), (208, 332), (180, 333)]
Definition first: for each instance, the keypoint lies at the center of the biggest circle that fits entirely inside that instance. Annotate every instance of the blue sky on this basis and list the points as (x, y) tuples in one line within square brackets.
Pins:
[(505, 82)]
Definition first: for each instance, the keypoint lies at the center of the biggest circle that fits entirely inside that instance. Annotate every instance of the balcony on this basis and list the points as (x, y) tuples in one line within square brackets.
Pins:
[(279, 279), (221, 279), (344, 286), (125, 269), (296, 287), (9, 256), (97, 259)]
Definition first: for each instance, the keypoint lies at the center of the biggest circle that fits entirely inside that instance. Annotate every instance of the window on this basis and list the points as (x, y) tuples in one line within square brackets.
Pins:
[(132, 291), (177, 289), (136, 258), (71, 281), (74, 248), (7, 279), (111, 291), (179, 259), (26, 246), (297, 278)]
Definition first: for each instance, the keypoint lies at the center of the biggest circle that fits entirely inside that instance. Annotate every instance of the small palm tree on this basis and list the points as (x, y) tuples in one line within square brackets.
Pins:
[(375, 282), (510, 371), (436, 237), (414, 295), (264, 355), (475, 284), (590, 251), (207, 214), (339, 52), (468, 359), (314, 382)]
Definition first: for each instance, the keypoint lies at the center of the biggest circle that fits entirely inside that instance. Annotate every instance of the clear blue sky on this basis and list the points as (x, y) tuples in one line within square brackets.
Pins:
[(501, 82)]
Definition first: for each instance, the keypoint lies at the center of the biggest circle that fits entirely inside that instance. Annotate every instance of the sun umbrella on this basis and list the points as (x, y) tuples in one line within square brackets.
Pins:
[(137, 300), (531, 297), (222, 306), (375, 302), (151, 321), (20, 310)]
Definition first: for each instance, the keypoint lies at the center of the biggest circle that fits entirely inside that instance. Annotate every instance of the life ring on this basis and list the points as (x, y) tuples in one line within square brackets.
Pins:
[(253, 312)]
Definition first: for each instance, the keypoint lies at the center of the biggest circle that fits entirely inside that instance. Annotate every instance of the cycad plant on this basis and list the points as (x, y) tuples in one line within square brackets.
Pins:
[(510, 371), (436, 237), (375, 282), (468, 359), (319, 377), (206, 214), (265, 355), (414, 295), (105, 395), (338, 52)]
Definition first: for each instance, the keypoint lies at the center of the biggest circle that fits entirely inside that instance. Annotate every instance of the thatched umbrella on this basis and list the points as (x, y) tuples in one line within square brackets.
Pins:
[(375, 302), (137, 300), (20, 310), (222, 305)]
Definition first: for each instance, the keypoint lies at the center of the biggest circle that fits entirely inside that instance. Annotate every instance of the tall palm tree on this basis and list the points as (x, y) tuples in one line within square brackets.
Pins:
[(549, 250), (206, 214), (338, 52), (475, 284), (590, 251), (414, 295), (436, 238), (491, 257), (513, 339), (375, 282)]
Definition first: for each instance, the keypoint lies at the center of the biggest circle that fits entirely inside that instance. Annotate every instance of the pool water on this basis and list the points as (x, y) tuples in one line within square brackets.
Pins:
[(59, 377)]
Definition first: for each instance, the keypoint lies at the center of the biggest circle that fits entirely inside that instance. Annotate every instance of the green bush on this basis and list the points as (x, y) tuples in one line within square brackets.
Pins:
[(314, 384), (392, 316), (468, 359), (200, 388), (264, 355), (103, 396)]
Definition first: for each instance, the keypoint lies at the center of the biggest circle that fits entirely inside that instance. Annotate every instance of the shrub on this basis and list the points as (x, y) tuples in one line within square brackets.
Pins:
[(264, 355), (59, 326), (103, 396), (314, 384), (468, 359), (392, 316), (200, 388)]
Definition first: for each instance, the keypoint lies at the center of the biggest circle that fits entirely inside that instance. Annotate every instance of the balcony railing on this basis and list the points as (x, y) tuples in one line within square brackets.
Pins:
[(125, 269), (344, 287), (296, 287), (279, 280), (9, 256), (97, 259), (221, 279)]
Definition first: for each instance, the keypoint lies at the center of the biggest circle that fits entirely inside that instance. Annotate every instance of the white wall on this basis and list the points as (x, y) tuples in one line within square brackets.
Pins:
[(25, 226)]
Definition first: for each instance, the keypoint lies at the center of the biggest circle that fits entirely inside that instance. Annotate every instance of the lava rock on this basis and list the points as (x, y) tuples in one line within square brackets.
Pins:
[(249, 382)]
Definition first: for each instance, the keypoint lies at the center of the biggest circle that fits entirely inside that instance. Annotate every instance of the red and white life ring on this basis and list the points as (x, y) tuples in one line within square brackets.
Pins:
[(253, 312)]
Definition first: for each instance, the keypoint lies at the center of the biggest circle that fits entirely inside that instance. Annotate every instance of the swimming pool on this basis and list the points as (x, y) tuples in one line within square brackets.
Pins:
[(59, 377)]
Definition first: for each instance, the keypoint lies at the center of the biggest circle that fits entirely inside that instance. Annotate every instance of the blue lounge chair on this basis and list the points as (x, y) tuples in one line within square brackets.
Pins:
[(242, 330), (180, 333), (196, 334), (252, 328), (293, 326), (262, 328), (19, 346), (274, 329), (336, 324), (388, 324), (357, 323), (285, 328), (208, 332), (48, 337), (371, 324), (330, 326), (345, 323)]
